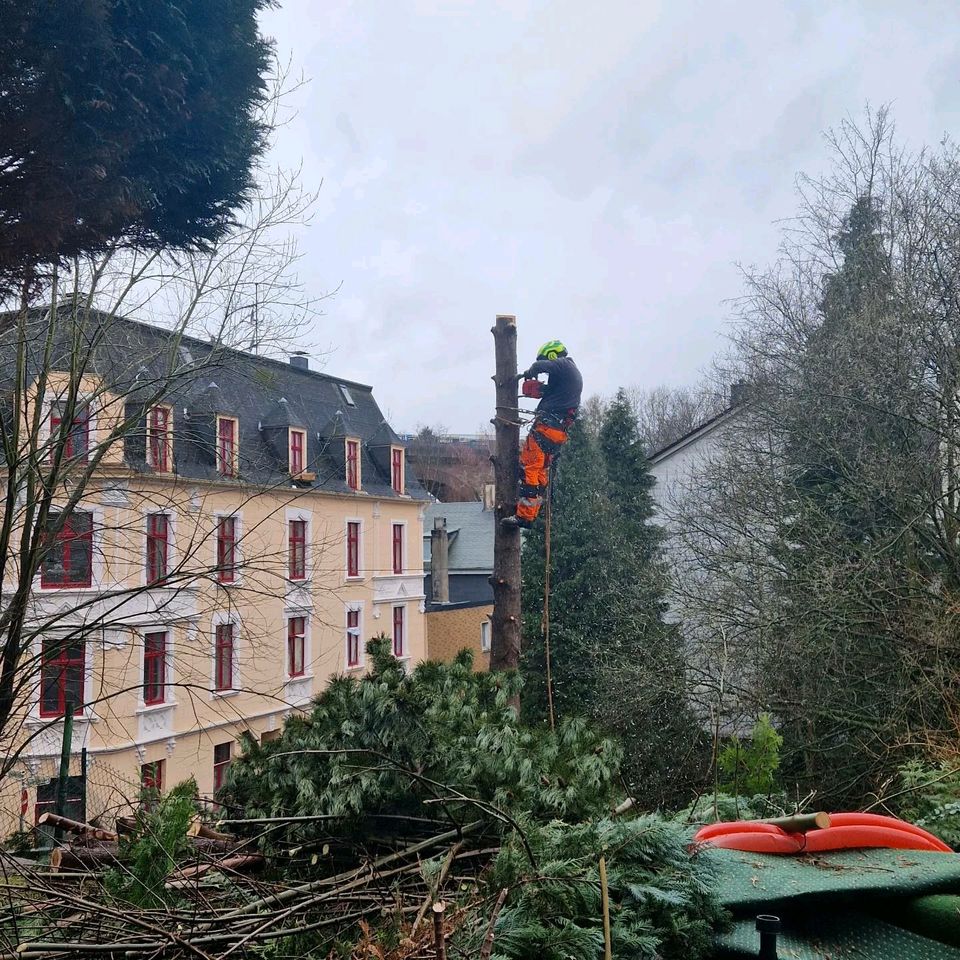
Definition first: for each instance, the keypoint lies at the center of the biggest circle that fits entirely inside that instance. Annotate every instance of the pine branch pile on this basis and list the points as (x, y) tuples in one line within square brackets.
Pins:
[(408, 816)]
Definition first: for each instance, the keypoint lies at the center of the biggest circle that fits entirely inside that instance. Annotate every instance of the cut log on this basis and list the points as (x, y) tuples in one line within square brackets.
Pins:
[(198, 828), (83, 858), (239, 864), (801, 822), (75, 826)]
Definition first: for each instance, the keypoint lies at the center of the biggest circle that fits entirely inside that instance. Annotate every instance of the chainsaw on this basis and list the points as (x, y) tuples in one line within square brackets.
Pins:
[(532, 388)]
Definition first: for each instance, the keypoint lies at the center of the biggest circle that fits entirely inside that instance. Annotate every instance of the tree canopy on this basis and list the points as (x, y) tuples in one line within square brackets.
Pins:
[(614, 657), (135, 121)]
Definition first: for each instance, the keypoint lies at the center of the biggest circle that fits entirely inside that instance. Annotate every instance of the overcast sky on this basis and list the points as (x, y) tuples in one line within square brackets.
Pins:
[(597, 169)]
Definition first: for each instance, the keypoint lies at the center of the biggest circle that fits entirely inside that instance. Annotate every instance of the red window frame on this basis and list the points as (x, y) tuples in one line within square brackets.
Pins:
[(151, 776), (79, 428), (63, 665), (222, 757), (158, 548), (398, 631), (353, 548), (353, 638), (226, 446), (69, 539), (155, 667), (298, 444), (396, 469), (226, 549), (297, 550), (398, 548), (353, 464), (160, 439), (296, 646), (223, 651)]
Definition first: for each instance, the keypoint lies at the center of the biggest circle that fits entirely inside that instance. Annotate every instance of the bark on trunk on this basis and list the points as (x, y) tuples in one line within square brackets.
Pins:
[(505, 621)]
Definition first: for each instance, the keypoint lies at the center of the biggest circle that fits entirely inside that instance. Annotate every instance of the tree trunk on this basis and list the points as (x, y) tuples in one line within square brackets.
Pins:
[(505, 621)]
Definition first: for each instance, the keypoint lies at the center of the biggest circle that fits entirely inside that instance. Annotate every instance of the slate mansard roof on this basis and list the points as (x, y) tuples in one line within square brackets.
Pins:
[(199, 379)]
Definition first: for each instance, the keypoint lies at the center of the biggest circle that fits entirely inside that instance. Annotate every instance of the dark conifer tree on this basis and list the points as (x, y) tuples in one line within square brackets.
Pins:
[(614, 658)]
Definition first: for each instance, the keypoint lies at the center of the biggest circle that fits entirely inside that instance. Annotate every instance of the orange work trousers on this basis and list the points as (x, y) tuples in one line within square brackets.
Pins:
[(541, 445)]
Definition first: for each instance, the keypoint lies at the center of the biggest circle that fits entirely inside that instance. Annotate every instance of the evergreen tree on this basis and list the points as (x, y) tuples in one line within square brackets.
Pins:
[(125, 122), (613, 657), (856, 467)]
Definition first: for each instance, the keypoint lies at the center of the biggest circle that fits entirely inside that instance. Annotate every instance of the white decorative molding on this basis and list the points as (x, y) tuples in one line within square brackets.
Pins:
[(115, 639), (171, 745), (196, 501), (155, 723), (298, 691), (299, 596), (395, 587), (376, 509), (114, 493), (141, 754)]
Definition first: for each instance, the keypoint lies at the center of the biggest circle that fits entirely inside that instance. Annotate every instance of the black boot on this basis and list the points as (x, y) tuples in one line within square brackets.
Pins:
[(515, 523)]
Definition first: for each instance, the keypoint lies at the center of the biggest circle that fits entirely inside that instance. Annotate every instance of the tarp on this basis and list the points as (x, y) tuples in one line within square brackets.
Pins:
[(864, 904)]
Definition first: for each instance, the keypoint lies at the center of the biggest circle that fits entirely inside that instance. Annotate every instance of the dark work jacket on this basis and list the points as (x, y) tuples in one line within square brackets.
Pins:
[(564, 385)]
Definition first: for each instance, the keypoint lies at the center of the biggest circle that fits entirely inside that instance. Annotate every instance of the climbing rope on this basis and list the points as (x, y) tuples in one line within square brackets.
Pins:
[(545, 622)]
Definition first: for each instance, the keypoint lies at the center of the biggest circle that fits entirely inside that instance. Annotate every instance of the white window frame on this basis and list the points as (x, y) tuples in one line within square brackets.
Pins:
[(485, 635), (404, 548), (168, 679), (236, 446), (171, 546), (83, 397), (306, 515), (354, 607), (359, 576), (405, 650), (219, 515), (288, 614), (290, 432), (96, 555), (169, 438), (346, 464), (402, 492), (218, 619), (89, 644)]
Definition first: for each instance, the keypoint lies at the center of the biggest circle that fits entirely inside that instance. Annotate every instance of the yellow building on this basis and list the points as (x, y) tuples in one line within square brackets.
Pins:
[(241, 527)]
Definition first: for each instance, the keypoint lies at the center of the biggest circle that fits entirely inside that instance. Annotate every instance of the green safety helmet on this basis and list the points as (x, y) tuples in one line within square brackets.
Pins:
[(551, 350)]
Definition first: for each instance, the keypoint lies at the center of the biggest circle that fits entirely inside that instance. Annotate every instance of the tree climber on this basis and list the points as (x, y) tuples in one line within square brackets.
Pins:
[(560, 400)]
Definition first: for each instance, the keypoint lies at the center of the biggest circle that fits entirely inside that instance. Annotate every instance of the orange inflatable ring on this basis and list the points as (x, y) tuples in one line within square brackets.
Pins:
[(752, 842), (878, 820), (847, 831), (859, 835), (712, 830)]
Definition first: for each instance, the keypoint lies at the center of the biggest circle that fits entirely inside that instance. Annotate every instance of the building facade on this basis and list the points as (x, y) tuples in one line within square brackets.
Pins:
[(458, 563), (224, 534)]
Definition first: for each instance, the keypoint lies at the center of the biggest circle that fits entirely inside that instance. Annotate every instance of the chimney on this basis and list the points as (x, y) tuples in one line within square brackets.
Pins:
[(299, 360), (488, 495), (739, 392), (439, 567)]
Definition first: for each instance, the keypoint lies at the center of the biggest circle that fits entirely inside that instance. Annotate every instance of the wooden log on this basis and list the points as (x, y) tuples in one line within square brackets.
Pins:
[(239, 864), (439, 938), (505, 620), (801, 822), (75, 826), (198, 828), (83, 858)]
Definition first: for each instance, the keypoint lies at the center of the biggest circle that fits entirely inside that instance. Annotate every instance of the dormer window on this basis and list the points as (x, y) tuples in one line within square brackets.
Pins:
[(160, 439), (77, 441), (353, 464), (227, 459), (396, 469), (297, 451)]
